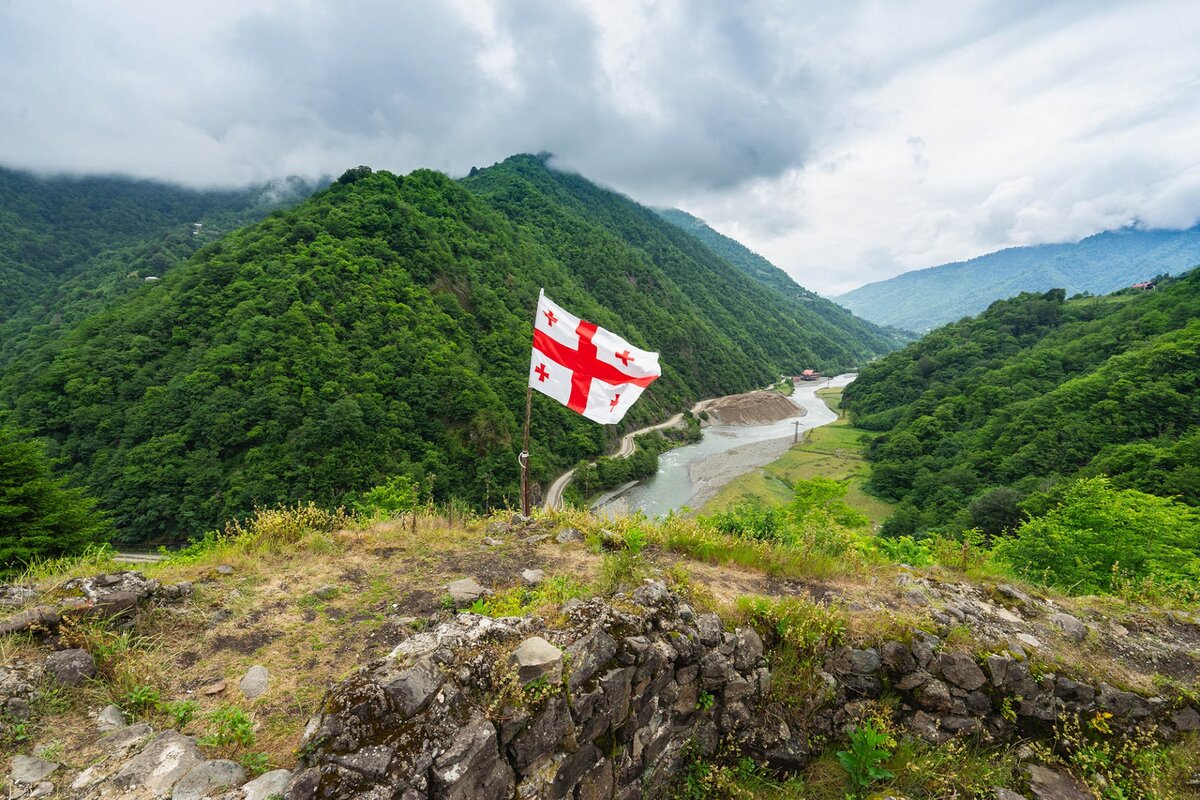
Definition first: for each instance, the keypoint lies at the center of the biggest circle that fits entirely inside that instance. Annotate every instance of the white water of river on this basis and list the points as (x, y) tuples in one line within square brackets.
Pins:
[(726, 451)]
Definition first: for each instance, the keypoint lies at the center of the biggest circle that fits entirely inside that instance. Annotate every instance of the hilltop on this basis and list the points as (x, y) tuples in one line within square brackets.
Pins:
[(339, 658), (923, 299)]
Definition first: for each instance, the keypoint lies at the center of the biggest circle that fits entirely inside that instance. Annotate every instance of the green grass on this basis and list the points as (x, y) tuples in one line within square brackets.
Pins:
[(831, 451)]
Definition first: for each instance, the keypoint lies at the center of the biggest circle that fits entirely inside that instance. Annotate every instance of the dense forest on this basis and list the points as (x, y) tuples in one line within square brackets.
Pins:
[(69, 246), (382, 328), (987, 420), (1106, 262)]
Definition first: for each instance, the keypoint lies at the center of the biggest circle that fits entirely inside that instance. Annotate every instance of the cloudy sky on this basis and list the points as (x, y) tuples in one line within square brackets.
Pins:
[(847, 142)]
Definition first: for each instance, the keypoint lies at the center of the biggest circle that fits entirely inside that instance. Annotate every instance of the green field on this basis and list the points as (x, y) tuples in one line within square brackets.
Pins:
[(831, 451)]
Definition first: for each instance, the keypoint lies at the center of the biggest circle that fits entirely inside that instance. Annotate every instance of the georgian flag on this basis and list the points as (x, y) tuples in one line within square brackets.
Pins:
[(589, 370)]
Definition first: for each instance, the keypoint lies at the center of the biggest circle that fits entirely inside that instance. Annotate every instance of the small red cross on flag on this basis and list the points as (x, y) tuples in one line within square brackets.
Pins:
[(588, 369)]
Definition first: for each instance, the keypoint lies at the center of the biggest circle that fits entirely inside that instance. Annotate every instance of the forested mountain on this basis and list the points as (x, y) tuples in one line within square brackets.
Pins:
[(1002, 408), (668, 284), (763, 271), (70, 245), (382, 327), (1100, 264)]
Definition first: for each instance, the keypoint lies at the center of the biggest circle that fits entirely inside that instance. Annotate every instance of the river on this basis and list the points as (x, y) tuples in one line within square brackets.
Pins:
[(691, 475)]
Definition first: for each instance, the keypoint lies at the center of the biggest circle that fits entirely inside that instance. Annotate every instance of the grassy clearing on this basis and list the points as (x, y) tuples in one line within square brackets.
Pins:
[(831, 451)]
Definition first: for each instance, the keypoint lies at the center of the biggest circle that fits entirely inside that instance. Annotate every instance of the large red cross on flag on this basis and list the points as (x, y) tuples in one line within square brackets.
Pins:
[(589, 370)]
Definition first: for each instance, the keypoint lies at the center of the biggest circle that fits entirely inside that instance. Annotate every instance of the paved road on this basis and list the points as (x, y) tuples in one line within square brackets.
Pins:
[(137, 558), (554, 494)]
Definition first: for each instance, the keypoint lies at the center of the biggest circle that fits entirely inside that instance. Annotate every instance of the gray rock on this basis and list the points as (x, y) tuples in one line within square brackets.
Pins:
[(1186, 720), (897, 657), (466, 591), (1008, 794), (653, 594), (542, 735), (327, 592), (490, 542), (536, 658), (853, 661), (568, 535), (204, 780), (122, 739), (161, 764), (934, 696), (224, 569), (916, 597), (110, 718), (1124, 705), (254, 683), (533, 577), (710, 629), (1071, 627), (27, 770), (471, 768), (413, 688), (1051, 784), (43, 789), (750, 649), (267, 785), (1013, 593), (588, 654), (1028, 641), (537, 538), (71, 667), (962, 671)]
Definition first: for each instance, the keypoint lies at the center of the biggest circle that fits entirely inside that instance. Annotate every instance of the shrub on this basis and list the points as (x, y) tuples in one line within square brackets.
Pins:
[(864, 758), (1098, 532)]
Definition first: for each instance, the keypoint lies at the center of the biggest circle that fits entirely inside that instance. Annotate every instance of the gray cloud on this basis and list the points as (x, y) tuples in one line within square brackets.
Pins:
[(845, 141)]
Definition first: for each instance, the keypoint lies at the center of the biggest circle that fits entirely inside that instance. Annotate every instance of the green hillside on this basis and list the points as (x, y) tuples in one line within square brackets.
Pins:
[(382, 327), (71, 245), (682, 291), (923, 299), (1005, 407), (826, 316)]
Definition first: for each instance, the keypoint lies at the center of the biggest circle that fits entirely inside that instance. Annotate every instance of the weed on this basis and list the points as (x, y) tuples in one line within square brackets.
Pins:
[(864, 758), (705, 701), (180, 712), (797, 634), (228, 725), (619, 570), (140, 699), (255, 763)]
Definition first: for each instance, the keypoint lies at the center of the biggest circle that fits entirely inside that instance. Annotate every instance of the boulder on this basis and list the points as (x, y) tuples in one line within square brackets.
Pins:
[(254, 683), (1186, 720), (27, 770), (161, 764), (471, 768), (542, 735), (536, 658), (961, 670), (568, 535), (533, 577), (205, 779), (267, 785), (110, 718), (327, 592), (466, 591), (588, 654), (413, 688), (71, 667), (1070, 626), (1051, 784)]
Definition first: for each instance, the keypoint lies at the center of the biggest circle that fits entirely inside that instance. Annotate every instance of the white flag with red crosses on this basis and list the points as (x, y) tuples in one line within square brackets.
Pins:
[(589, 370)]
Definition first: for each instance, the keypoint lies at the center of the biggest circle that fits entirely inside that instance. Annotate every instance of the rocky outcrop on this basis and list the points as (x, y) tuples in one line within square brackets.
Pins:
[(614, 703), (480, 708), (112, 596)]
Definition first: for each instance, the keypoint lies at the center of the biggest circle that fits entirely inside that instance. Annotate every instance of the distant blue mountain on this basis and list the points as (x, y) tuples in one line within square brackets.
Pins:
[(926, 298)]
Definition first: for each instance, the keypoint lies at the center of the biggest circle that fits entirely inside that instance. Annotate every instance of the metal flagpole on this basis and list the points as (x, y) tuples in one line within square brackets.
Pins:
[(523, 459)]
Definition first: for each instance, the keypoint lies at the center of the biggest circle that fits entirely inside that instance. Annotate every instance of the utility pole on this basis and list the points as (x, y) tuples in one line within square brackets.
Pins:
[(796, 435)]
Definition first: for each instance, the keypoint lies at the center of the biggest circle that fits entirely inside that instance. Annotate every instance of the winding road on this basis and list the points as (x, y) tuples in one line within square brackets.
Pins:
[(553, 499)]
